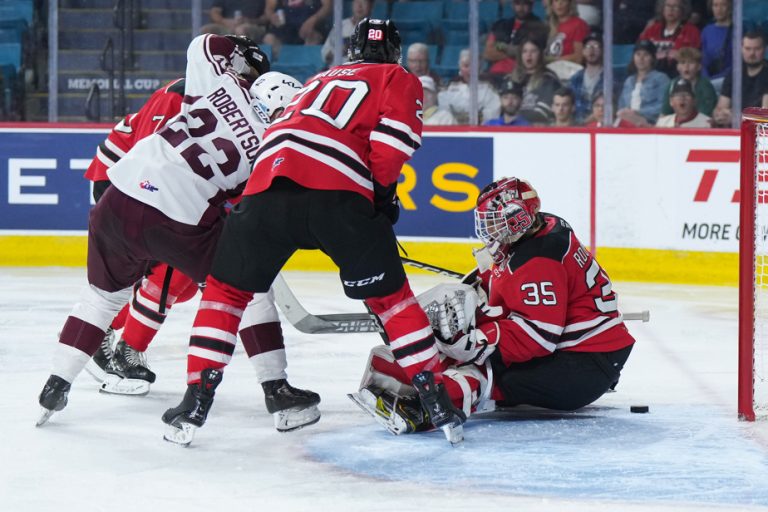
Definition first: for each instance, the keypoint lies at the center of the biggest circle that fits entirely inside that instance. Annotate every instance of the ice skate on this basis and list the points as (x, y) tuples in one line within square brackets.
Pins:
[(97, 365), (53, 398), (292, 408), (398, 414), (127, 372), (184, 419), (443, 414)]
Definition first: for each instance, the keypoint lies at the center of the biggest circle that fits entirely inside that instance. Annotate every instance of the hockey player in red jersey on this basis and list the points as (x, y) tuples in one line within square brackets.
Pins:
[(167, 196), (547, 331), (325, 178)]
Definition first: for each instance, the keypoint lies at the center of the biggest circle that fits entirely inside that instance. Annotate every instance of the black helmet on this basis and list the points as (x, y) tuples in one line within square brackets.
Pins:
[(375, 41)]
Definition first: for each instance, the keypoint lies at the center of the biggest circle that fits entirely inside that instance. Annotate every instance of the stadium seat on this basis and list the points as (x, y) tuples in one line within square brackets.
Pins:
[(622, 54), (12, 30), (755, 10), (267, 48), (380, 9), (431, 49), (10, 53), (456, 36), (449, 61), (17, 9), (8, 72), (417, 21), (457, 14), (298, 60)]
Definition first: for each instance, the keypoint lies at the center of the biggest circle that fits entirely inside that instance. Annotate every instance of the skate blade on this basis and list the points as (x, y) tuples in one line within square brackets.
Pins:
[(181, 435), (454, 434), (95, 371), (116, 385), (294, 418), (44, 416), (367, 402)]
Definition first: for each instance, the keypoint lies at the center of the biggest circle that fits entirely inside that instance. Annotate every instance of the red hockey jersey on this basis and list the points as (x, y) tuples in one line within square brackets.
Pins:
[(349, 128), (159, 108), (551, 295)]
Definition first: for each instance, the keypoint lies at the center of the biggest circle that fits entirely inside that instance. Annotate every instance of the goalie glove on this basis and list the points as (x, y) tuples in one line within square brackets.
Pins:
[(450, 309), (472, 347)]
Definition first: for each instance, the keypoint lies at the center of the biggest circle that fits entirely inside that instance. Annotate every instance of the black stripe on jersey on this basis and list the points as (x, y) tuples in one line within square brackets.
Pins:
[(398, 134), (574, 335), (322, 148), (547, 335), (149, 313), (190, 99), (414, 348), (216, 346), (108, 152), (178, 87)]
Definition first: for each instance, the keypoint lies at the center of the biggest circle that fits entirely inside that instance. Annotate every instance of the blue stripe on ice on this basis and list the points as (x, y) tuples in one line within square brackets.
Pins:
[(694, 454)]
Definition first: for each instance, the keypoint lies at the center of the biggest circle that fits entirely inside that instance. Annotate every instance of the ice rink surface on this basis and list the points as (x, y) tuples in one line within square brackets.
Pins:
[(106, 452)]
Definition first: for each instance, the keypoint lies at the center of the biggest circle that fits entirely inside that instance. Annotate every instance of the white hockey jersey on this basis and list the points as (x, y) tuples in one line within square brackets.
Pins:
[(205, 154)]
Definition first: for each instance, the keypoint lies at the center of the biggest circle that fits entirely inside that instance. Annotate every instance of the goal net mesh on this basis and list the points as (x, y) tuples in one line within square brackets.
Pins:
[(760, 348)]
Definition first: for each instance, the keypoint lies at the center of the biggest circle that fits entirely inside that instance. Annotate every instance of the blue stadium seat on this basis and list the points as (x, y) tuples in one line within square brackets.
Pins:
[(431, 49), (380, 9), (622, 54), (17, 9), (298, 60), (456, 36), (755, 10), (449, 61), (417, 21), (267, 48), (10, 53), (13, 30), (457, 14), (8, 72)]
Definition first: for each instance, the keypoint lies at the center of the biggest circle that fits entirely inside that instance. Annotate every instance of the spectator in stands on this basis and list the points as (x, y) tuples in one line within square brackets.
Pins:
[(670, 32), (754, 79), (240, 17), (643, 91), (563, 106), (511, 97), (539, 83), (630, 17), (595, 118), (590, 79), (456, 94), (505, 36), (296, 22), (360, 9), (683, 102), (590, 11), (689, 67), (432, 113), (417, 62), (566, 32), (717, 41)]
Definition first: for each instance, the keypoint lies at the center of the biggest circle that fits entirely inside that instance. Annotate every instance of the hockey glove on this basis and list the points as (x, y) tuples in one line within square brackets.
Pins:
[(467, 348), (391, 210), (254, 56), (436, 402)]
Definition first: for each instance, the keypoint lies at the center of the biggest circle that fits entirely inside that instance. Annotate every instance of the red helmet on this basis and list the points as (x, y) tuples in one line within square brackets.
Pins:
[(506, 210)]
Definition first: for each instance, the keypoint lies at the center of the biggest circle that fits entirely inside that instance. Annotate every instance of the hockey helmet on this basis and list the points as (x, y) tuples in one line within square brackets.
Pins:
[(272, 92), (375, 41), (506, 210)]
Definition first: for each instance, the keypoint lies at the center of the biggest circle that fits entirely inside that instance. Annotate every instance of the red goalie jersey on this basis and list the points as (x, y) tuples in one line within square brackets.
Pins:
[(159, 108), (551, 295), (358, 124)]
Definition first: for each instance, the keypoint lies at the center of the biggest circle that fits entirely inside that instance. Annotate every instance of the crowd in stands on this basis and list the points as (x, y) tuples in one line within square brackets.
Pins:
[(542, 60)]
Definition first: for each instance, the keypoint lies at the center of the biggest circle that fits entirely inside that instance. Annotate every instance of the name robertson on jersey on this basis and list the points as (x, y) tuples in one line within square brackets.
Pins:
[(237, 121)]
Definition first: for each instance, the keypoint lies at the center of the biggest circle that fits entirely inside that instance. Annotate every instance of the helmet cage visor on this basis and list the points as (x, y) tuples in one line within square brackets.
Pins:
[(504, 223)]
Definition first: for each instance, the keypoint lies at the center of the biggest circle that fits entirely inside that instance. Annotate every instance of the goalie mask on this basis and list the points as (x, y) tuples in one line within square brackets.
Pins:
[(506, 210), (375, 41), (271, 93)]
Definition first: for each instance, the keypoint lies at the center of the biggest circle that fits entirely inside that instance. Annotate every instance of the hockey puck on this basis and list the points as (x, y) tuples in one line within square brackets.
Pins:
[(639, 408)]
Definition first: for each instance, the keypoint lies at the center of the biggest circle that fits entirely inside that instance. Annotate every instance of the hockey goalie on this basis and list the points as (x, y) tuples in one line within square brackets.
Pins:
[(537, 323)]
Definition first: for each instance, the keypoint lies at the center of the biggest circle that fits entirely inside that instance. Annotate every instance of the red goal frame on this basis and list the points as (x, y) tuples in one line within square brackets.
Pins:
[(750, 197)]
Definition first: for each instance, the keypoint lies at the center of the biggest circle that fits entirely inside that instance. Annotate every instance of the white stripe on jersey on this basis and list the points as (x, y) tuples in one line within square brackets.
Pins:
[(419, 357), (113, 148), (210, 355), (392, 141), (139, 317), (122, 127), (580, 326), (215, 334), (607, 325), (104, 158), (397, 125), (386, 316), (220, 306), (410, 338), (313, 137), (321, 157)]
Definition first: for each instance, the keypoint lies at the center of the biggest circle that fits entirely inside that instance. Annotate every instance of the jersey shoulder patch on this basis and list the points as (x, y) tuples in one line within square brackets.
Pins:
[(553, 244)]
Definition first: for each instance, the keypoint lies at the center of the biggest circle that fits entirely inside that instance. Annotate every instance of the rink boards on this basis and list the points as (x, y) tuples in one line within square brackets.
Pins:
[(656, 205)]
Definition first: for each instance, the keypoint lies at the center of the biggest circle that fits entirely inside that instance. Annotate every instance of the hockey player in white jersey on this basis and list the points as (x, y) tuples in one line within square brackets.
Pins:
[(166, 202)]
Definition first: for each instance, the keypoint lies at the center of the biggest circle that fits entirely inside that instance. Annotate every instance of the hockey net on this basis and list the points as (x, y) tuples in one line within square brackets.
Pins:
[(753, 267)]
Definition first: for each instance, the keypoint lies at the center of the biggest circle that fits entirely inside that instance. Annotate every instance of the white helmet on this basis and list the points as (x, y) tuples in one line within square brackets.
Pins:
[(273, 91)]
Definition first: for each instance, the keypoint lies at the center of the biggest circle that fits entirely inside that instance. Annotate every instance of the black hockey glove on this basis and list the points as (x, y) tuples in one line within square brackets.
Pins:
[(386, 202), (254, 56), (435, 400), (391, 210)]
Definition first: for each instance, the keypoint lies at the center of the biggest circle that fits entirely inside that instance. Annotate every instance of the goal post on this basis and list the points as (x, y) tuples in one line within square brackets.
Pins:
[(753, 266)]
